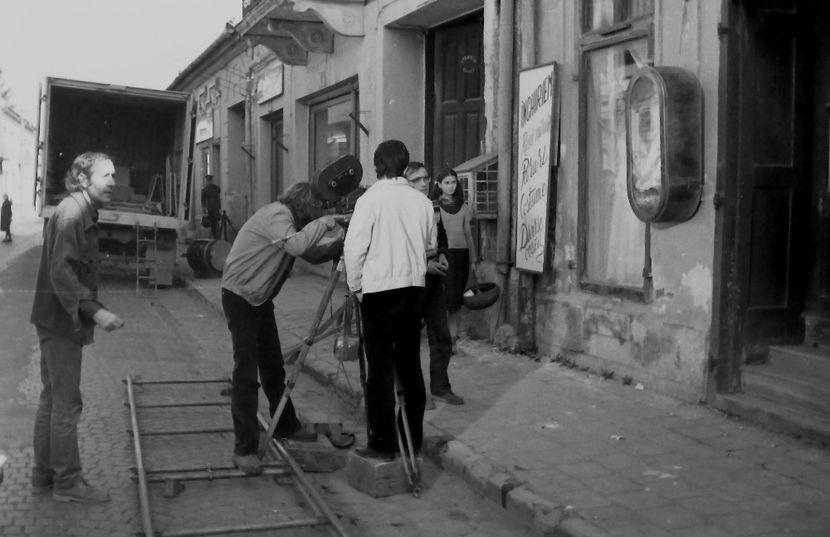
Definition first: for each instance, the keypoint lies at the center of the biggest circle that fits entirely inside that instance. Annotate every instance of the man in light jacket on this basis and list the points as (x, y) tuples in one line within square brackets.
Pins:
[(258, 264), (385, 253)]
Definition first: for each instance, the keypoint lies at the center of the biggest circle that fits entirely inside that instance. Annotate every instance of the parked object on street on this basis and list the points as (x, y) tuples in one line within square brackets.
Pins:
[(148, 137), (207, 256)]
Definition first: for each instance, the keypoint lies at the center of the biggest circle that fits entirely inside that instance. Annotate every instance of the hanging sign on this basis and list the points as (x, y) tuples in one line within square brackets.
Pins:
[(538, 140), (204, 127), (269, 84)]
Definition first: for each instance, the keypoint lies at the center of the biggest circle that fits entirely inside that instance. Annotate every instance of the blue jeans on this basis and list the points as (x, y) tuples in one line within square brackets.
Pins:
[(56, 457), (256, 345)]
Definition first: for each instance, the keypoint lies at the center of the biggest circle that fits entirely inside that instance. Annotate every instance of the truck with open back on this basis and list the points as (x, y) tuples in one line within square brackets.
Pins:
[(148, 135)]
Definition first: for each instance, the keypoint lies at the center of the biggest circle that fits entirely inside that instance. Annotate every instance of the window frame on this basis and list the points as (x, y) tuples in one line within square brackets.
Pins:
[(328, 96), (590, 41)]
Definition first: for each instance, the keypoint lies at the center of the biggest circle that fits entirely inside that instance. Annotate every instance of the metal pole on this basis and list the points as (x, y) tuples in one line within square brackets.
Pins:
[(222, 530), (210, 475), (280, 450), (143, 498)]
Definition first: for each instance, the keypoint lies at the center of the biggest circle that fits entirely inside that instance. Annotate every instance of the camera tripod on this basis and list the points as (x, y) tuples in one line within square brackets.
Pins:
[(321, 329)]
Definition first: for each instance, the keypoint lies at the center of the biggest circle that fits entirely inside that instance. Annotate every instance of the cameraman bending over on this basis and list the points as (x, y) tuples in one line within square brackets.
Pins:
[(385, 254), (258, 264)]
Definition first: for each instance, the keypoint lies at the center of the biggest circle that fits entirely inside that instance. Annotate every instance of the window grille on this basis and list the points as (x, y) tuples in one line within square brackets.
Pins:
[(479, 177)]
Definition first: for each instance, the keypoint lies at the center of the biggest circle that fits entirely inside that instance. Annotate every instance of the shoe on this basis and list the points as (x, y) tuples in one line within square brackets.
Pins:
[(301, 436), (449, 398), (430, 404), (81, 492), (41, 488), (249, 464), (371, 453)]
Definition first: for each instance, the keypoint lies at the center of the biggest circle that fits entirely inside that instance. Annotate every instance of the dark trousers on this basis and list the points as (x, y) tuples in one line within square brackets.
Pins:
[(56, 455), (256, 345), (392, 332), (438, 335)]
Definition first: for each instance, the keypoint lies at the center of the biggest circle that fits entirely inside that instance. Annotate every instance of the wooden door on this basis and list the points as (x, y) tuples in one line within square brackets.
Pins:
[(458, 118), (773, 175), (817, 313)]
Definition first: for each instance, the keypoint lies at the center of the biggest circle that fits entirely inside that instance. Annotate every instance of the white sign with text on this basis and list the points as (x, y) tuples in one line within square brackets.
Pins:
[(538, 129)]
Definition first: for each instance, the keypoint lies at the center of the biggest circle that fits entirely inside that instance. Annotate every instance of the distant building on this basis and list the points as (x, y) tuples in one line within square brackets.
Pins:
[(17, 157)]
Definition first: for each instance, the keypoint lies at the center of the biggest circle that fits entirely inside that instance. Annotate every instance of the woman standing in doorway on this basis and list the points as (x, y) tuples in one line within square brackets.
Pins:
[(456, 216)]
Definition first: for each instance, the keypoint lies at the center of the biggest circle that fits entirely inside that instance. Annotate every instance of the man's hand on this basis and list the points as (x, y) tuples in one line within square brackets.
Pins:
[(438, 266), (342, 219), (107, 320)]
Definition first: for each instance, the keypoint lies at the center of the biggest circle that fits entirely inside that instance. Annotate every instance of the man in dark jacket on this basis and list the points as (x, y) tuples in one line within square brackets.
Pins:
[(212, 205), (65, 312), (6, 218)]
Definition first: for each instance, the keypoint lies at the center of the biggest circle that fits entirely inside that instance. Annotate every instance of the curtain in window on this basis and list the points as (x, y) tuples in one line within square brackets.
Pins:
[(615, 241)]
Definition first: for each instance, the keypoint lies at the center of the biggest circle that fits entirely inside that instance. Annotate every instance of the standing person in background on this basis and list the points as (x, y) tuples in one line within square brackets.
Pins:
[(385, 253), (456, 216), (6, 218), (65, 312), (212, 205), (435, 302)]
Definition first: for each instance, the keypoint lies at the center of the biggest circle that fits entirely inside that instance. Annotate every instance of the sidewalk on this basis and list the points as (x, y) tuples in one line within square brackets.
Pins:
[(26, 229), (572, 454)]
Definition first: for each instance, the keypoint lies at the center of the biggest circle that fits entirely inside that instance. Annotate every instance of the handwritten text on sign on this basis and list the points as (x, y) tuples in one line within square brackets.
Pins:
[(538, 98)]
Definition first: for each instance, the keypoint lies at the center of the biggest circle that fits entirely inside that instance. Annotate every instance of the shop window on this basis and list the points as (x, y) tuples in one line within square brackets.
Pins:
[(603, 15), (613, 241), (333, 126)]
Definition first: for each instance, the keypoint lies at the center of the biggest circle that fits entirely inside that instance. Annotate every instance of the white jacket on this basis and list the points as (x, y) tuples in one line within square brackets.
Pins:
[(388, 238)]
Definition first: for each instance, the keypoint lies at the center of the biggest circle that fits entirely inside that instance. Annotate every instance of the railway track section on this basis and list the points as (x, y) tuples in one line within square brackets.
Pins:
[(186, 484)]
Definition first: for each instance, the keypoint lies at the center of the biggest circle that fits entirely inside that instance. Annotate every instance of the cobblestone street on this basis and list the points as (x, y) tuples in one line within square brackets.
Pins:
[(179, 335)]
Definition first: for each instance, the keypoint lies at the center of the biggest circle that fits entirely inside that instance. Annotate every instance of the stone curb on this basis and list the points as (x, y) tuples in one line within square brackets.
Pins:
[(497, 484)]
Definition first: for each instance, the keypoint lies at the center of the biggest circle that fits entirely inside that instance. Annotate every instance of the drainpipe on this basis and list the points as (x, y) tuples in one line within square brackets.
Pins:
[(504, 102), (248, 144)]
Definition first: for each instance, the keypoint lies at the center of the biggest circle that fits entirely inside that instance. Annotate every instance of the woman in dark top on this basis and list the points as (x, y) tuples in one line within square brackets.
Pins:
[(6, 218), (456, 217)]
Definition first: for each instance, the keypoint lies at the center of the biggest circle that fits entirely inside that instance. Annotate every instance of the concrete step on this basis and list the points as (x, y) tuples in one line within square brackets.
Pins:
[(781, 385), (802, 424), (806, 360)]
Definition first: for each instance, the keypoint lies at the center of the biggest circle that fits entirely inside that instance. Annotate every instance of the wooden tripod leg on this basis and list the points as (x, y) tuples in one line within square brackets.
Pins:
[(306, 345), (361, 358), (410, 461)]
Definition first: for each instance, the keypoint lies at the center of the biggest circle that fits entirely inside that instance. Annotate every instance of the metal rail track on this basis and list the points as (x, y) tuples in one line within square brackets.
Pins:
[(322, 516)]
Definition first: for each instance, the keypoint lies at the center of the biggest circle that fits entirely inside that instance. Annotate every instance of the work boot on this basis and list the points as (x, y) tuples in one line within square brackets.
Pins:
[(249, 464), (449, 398), (39, 488), (372, 453), (81, 492)]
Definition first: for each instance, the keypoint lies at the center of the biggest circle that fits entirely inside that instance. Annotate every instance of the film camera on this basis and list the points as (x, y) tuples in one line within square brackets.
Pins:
[(338, 179)]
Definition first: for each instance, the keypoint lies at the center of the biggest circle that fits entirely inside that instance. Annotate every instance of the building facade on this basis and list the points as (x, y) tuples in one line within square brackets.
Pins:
[(703, 307), (17, 148)]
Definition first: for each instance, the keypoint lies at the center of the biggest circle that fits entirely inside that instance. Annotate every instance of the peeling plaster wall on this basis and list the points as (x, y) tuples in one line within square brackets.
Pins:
[(663, 344)]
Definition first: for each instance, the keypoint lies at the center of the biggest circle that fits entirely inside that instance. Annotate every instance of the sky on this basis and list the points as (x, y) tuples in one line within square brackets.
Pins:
[(143, 43)]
